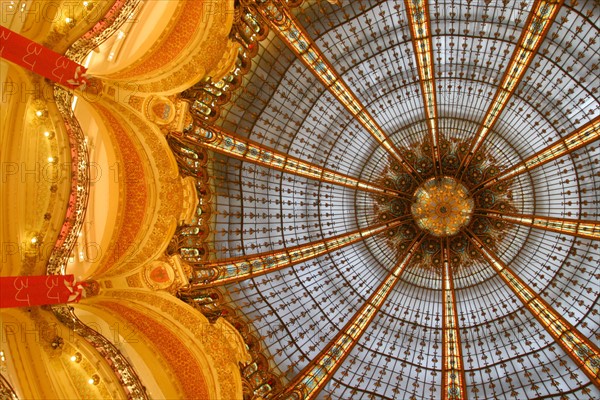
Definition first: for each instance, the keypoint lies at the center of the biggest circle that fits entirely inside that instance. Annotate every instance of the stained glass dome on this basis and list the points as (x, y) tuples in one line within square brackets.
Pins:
[(405, 198)]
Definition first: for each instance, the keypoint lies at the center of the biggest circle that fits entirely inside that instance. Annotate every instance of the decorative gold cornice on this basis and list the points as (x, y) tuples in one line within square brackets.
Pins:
[(171, 346), (80, 185), (124, 371), (117, 14), (133, 192)]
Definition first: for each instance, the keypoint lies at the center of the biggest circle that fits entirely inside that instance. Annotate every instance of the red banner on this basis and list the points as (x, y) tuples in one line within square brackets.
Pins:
[(25, 291), (41, 60)]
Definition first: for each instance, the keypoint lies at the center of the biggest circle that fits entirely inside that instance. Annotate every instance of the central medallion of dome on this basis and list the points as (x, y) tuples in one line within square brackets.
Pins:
[(442, 206)]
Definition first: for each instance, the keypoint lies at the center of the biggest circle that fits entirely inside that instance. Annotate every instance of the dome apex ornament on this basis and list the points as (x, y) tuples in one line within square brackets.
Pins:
[(442, 206)]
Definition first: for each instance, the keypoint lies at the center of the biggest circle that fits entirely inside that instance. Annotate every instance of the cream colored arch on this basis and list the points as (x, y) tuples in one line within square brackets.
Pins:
[(179, 43), (144, 356), (149, 192), (175, 327)]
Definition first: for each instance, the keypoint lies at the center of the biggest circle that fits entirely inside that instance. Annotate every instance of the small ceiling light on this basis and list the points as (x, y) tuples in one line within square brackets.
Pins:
[(94, 380), (76, 357), (39, 113)]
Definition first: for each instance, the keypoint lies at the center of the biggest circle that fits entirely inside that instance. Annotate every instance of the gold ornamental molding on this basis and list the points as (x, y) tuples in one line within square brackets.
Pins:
[(133, 191)]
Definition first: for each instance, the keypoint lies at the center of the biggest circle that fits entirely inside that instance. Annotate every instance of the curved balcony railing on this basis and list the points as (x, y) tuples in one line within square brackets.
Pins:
[(6, 390), (80, 186), (67, 239), (119, 13), (124, 371), (78, 200), (107, 26)]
